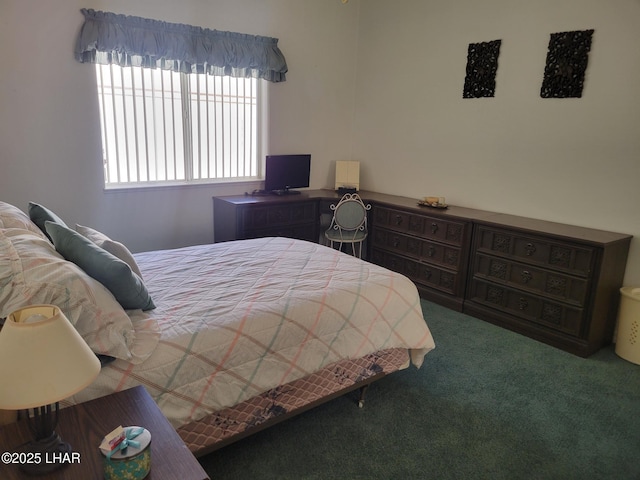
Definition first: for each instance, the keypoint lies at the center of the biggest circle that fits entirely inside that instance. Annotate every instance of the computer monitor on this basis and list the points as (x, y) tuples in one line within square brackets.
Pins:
[(285, 172)]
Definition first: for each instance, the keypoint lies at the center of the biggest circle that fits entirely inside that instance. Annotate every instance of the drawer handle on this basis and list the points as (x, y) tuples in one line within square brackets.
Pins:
[(398, 219), (530, 249), (432, 251), (434, 227), (427, 274), (396, 242), (526, 276), (523, 304)]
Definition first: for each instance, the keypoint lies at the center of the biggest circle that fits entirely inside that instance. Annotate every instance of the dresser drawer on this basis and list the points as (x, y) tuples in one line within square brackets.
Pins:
[(542, 251), (301, 232), (420, 225), (278, 215), (535, 280), (428, 275), (425, 250), (556, 315)]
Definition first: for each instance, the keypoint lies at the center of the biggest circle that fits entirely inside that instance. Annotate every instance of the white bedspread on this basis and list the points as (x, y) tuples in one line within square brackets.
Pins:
[(238, 318)]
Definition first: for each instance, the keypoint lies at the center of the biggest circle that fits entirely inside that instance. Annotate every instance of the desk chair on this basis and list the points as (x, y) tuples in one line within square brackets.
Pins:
[(349, 223)]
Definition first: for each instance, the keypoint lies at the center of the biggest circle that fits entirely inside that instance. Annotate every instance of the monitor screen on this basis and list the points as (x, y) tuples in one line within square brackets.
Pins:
[(284, 172)]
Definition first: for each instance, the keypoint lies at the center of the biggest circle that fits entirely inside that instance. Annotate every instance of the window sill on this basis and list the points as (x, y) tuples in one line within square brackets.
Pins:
[(250, 184)]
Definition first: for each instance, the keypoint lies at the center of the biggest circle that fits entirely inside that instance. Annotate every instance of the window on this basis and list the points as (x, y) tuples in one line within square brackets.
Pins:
[(166, 127), (178, 103)]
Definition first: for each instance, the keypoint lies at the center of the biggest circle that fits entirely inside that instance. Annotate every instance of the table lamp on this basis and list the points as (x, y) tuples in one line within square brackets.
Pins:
[(43, 360)]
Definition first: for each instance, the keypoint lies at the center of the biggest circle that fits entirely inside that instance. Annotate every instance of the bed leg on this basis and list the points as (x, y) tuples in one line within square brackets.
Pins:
[(363, 390)]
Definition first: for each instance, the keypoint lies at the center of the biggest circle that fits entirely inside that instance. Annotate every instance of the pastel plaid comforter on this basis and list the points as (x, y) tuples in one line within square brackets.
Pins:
[(236, 319)]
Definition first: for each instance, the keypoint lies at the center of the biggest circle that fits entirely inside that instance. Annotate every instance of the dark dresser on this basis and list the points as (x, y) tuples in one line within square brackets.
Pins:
[(553, 282), (246, 216)]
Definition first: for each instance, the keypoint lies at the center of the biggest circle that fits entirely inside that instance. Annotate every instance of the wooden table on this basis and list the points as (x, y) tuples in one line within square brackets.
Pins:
[(83, 426)]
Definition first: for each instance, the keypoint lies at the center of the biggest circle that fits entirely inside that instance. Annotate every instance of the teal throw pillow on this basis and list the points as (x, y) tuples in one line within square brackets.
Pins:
[(40, 214), (113, 273)]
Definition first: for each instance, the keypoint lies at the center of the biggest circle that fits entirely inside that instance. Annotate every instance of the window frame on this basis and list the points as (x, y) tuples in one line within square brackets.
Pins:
[(186, 118)]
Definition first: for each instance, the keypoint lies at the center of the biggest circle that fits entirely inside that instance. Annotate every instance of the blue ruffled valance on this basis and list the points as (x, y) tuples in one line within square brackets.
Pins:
[(124, 40)]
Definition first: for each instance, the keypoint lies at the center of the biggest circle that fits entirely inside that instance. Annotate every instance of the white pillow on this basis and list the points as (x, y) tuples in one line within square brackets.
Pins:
[(116, 249), (13, 217), (32, 273)]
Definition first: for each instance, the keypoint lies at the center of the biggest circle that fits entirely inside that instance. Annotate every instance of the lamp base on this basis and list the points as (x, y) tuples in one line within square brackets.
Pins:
[(49, 453)]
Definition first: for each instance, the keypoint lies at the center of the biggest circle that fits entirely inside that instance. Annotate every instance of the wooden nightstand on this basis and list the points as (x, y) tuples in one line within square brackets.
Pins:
[(84, 425)]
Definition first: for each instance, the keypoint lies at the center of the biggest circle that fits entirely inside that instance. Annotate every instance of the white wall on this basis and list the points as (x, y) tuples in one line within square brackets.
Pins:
[(574, 161), (568, 160), (49, 124)]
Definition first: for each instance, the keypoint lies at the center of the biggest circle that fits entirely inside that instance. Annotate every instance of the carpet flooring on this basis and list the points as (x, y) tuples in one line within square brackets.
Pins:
[(487, 404)]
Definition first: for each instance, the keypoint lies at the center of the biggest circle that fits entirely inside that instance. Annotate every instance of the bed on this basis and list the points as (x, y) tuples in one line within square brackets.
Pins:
[(229, 338)]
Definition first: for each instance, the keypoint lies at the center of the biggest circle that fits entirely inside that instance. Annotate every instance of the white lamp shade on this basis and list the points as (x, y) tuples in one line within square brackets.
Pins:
[(43, 359)]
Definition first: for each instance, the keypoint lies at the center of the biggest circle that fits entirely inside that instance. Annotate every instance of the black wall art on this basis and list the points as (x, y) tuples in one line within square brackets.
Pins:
[(482, 65), (566, 64)]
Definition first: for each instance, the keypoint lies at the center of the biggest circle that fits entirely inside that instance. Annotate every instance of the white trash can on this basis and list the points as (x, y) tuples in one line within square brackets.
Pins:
[(628, 338)]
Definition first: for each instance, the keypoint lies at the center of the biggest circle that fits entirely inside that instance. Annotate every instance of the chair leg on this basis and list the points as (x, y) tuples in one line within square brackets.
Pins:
[(356, 247)]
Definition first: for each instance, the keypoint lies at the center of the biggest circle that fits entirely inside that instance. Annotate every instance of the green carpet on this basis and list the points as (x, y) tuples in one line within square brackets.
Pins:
[(487, 404)]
